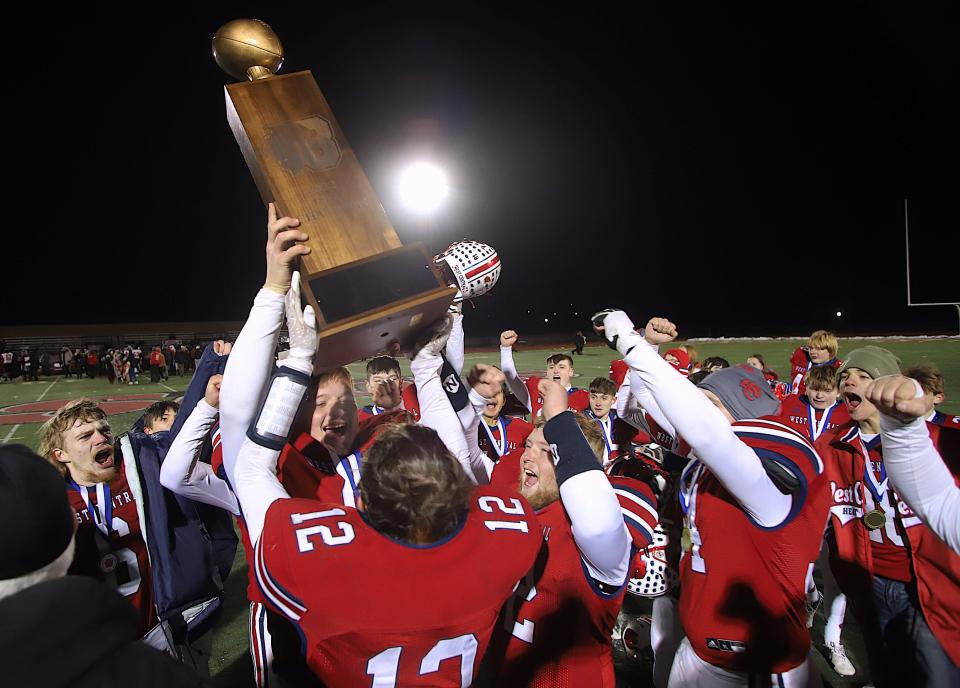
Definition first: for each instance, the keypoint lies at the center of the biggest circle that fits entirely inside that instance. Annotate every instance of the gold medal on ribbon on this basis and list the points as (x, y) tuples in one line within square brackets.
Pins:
[(875, 519), (686, 540)]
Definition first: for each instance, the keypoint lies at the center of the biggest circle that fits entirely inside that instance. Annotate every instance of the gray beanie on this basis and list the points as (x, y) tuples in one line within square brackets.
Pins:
[(873, 360), (743, 390)]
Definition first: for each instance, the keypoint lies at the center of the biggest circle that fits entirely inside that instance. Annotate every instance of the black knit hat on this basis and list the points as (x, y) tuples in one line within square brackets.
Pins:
[(34, 510)]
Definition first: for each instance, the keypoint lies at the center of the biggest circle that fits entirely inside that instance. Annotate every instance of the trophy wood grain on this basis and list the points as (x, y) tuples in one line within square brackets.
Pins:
[(349, 340), (300, 159)]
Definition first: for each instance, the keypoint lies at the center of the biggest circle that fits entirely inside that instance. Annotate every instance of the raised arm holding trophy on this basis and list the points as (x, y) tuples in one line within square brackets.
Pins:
[(366, 288)]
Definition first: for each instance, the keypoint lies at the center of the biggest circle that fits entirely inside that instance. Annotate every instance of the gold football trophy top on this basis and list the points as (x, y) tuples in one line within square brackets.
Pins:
[(247, 49)]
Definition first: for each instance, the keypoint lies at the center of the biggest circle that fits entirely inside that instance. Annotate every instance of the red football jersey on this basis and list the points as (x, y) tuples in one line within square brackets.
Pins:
[(942, 419), (116, 555), (577, 399), (425, 613), (743, 585), (490, 438), (853, 463), (408, 402), (796, 411), (800, 363), (303, 470), (618, 371), (557, 626)]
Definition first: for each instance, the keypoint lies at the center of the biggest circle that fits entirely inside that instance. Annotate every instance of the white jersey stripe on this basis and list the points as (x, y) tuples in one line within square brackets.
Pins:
[(636, 500), (631, 519)]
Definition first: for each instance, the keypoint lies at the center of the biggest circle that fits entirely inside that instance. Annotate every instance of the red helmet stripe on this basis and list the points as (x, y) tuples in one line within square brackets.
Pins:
[(486, 266)]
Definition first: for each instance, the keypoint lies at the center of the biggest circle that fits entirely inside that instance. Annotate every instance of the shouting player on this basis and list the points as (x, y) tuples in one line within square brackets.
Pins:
[(900, 579), (557, 628), (559, 369), (754, 517)]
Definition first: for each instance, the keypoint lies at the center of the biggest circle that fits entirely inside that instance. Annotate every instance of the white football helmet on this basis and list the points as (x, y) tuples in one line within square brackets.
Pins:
[(470, 266), (657, 577)]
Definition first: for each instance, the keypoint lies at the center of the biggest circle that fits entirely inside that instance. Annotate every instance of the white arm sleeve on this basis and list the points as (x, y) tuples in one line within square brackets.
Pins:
[(514, 383), (454, 349), (628, 409), (436, 411), (248, 372), (598, 527), (649, 404), (921, 478), (183, 472), (257, 486), (469, 416), (709, 434)]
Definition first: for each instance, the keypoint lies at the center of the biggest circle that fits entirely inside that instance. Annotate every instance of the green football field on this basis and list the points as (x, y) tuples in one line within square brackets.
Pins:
[(24, 405)]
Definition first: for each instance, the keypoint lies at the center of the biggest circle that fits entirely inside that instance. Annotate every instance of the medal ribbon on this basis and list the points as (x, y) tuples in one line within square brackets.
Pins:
[(688, 479), (501, 446), (102, 512), (353, 475), (816, 429), (877, 489), (606, 429)]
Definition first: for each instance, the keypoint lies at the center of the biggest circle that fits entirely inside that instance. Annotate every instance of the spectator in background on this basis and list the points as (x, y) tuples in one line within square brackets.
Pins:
[(30, 366), (109, 366), (181, 357), (92, 362), (7, 365), (156, 365), (80, 356), (136, 361), (168, 367), (578, 343)]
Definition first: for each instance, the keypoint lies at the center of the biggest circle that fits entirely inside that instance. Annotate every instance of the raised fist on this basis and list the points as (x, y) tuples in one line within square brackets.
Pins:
[(508, 338), (554, 398), (899, 397), (486, 380), (212, 393), (659, 331)]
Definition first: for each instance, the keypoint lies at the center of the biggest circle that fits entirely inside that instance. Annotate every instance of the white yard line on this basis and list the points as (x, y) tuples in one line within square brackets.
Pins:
[(170, 388), (13, 430), (40, 398)]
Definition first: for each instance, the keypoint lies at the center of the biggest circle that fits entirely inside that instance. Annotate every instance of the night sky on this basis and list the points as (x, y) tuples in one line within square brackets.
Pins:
[(739, 170)]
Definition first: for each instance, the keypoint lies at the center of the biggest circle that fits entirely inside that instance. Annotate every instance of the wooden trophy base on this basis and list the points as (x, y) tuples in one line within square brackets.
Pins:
[(365, 305)]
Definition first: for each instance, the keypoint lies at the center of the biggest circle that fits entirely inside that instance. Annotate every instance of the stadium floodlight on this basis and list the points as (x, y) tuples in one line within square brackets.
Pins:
[(839, 314), (423, 187)]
